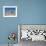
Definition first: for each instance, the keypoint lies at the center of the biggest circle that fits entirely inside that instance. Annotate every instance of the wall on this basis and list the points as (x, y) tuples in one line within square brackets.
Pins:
[(7, 25), (33, 11), (29, 12)]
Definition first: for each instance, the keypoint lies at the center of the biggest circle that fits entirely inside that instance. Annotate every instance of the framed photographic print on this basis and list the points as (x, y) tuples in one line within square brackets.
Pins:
[(33, 32), (9, 11)]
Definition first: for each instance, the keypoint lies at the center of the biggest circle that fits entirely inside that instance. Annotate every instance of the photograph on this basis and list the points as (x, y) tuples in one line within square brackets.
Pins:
[(9, 11), (29, 33)]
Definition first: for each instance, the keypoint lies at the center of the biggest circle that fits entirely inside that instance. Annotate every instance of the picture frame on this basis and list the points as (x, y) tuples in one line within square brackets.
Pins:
[(9, 11), (39, 28)]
